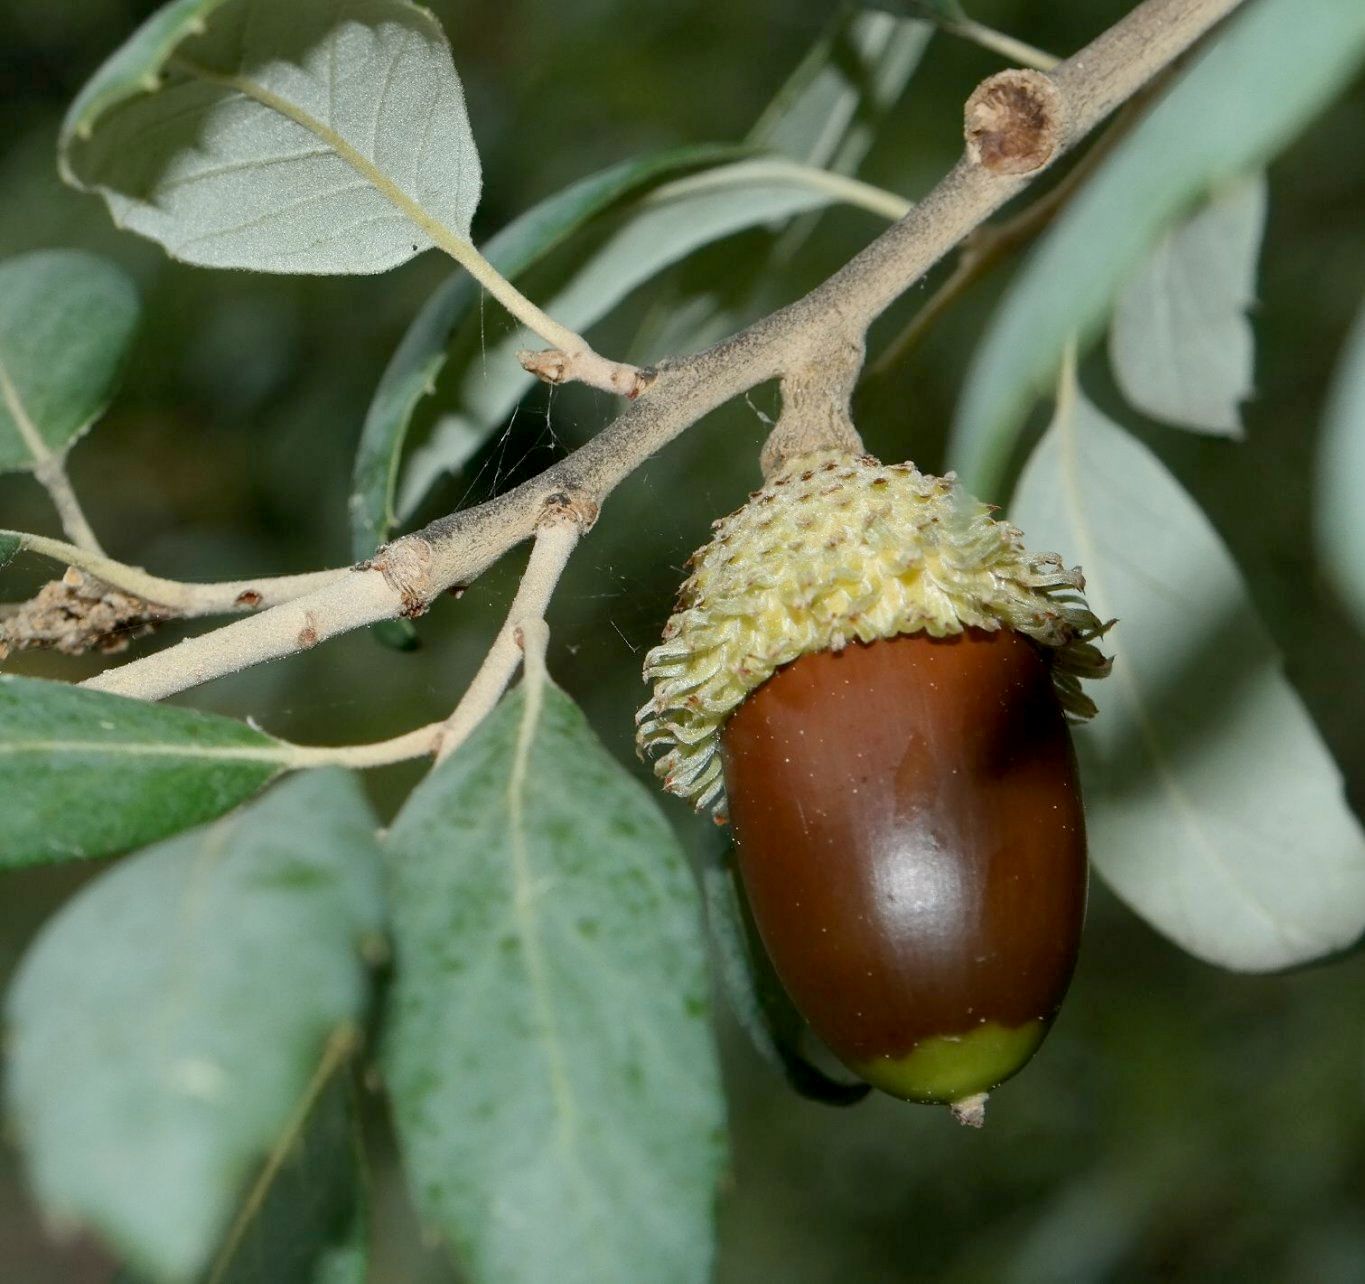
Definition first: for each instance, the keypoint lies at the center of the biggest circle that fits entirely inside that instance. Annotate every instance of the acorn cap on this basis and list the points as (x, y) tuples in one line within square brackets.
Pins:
[(839, 548)]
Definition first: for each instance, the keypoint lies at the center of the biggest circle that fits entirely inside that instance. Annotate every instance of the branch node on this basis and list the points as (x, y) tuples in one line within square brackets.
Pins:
[(406, 567), (549, 365), (1014, 122), (555, 366), (570, 507)]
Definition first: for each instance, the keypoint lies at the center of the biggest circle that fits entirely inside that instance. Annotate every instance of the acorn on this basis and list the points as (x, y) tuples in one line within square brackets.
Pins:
[(871, 679)]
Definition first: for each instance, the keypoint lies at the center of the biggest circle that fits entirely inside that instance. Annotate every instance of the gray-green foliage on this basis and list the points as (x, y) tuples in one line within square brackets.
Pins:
[(1180, 343), (669, 223), (170, 1020), (425, 348), (300, 137), (304, 1219), (1237, 105), (1213, 806), (1341, 475), (310, 1224), (66, 321), (84, 773), (824, 116), (827, 111), (548, 1050), (827, 114)]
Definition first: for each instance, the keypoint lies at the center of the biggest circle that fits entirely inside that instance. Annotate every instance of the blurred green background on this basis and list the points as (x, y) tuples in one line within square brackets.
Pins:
[(1182, 1123)]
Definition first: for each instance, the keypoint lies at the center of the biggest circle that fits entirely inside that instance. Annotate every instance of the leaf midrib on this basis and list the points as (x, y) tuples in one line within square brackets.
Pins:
[(28, 430), (242, 753), (528, 932), (448, 240)]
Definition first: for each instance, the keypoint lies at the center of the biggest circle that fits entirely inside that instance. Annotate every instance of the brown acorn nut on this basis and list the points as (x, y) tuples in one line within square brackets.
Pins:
[(872, 677)]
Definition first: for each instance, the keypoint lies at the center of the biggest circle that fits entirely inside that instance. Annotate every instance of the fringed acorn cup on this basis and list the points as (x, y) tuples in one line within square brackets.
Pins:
[(871, 679)]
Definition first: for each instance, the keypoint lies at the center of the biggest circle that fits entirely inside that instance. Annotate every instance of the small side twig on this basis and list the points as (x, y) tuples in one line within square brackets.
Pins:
[(52, 474), (49, 467), (176, 597), (556, 366), (563, 525), (418, 743), (555, 540), (559, 365), (597, 370)]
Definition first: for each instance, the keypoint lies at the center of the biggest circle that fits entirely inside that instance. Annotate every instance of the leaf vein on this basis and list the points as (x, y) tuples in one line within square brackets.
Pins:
[(528, 931), (240, 753), (28, 430), (384, 88), (259, 220), (236, 166)]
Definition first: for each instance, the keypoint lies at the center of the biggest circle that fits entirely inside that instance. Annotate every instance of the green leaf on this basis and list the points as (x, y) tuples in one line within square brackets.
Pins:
[(66, 321), (826, 114), (422, 354), (167, 1024), (549, 1055), (663, 227), (757, 999), (1225, 116), (85, 773), (1214, 808), (1180, 343), (302, 137), (9, 546), (304, 1221), (1340, 508)]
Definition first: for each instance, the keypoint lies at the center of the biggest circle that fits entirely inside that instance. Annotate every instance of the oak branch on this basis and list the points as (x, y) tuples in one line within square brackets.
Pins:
[(1017, 124)]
